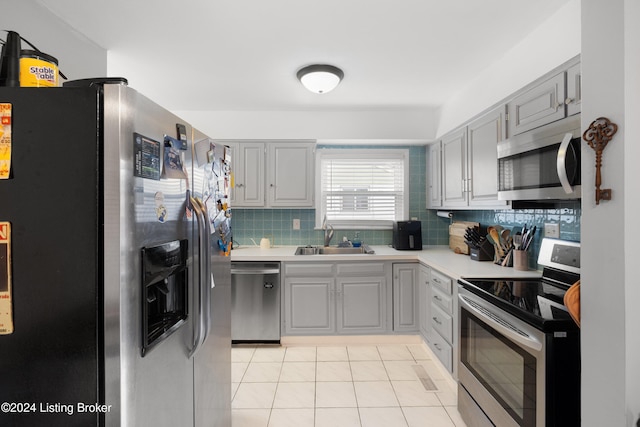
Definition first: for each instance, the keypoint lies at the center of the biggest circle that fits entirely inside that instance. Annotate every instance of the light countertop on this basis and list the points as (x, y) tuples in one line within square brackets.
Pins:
[(439, 257)]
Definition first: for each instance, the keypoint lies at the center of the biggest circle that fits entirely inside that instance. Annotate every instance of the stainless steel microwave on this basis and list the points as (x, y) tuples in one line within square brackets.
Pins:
[(541, 164)]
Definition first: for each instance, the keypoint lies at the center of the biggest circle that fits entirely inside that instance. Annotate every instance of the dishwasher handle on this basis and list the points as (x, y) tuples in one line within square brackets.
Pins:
[(246, 271)]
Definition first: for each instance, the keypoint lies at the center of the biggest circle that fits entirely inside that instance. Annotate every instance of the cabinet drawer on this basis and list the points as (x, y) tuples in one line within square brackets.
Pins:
[(369, 269), (441, 281), (445, 301), (306, 269), (442, 322), (443, 351)]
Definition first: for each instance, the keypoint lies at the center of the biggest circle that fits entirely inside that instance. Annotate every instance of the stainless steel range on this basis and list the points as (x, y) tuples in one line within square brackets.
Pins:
[(519, 347)]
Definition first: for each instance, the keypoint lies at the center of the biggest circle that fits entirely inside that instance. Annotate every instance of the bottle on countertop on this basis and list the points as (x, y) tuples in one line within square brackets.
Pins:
[(356, 242)]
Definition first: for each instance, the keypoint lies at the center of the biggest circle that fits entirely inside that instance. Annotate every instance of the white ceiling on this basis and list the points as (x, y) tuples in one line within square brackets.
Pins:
[(244, 54)]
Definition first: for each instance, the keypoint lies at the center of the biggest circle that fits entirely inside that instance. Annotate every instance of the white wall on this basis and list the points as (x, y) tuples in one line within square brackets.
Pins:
[(609, 295), (632, 207), (556, 41), (78, 58), (409, 124)]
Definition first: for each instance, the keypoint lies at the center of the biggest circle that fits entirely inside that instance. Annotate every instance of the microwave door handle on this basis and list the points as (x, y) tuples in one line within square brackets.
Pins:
[(561, 164), (206, 280), (198, 320)]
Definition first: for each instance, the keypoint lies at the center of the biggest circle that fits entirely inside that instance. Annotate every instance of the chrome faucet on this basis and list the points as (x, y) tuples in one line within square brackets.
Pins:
[(328, 231)]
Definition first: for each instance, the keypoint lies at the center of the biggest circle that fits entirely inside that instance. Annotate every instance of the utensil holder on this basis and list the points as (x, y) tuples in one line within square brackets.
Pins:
[(520, 260), (485, 252)]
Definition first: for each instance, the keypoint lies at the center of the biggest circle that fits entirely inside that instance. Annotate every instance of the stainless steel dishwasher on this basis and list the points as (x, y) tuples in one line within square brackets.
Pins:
[(255, 302)]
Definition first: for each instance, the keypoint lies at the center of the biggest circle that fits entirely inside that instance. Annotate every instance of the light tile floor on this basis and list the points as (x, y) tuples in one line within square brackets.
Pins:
[(341, 386)]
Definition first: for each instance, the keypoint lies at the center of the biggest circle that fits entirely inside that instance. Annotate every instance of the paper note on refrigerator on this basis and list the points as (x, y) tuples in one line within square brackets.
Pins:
[(6, 315), (5, 140)]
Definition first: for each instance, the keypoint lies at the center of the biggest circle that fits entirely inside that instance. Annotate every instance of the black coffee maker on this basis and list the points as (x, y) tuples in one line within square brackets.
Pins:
[(407, 235)]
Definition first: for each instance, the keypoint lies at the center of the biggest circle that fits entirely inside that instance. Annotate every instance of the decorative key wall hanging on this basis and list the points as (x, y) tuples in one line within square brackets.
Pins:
[(598, 135)]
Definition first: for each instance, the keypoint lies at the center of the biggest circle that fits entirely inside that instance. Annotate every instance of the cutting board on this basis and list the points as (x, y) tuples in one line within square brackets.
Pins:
[(456, 236)]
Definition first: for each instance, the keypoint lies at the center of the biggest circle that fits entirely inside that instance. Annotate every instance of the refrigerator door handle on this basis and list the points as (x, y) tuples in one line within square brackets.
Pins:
[(206, 278), (198, 323)]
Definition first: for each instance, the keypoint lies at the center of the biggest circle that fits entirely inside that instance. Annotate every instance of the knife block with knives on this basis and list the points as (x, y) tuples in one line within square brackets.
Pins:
[(458, 236), (484, 251), (480, 248)]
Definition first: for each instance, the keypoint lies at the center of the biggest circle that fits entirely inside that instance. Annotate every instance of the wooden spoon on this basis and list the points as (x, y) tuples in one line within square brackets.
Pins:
[(496, 238)]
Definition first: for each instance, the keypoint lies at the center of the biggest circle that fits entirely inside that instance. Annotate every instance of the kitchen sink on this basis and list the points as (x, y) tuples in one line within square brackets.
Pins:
[(333, 250)]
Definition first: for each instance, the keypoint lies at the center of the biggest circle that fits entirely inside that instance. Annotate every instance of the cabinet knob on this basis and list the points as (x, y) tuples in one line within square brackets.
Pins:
[(569, 101), (239, 185), (435, 319)]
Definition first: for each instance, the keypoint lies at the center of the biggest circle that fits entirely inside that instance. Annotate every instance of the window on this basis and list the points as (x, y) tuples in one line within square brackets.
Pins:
[(358, 188)]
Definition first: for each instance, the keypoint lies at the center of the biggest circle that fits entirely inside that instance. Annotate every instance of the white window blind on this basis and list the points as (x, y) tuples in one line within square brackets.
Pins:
[(362, 188)]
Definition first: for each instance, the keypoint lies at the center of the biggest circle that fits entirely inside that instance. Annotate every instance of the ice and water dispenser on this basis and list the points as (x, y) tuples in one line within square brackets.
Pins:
[(164, 291)]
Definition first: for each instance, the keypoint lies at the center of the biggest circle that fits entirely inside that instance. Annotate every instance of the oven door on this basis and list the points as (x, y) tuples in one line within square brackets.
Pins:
[(501, 365)]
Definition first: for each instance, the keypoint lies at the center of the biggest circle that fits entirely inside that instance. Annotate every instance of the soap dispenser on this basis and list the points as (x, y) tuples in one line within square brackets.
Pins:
[(356, 242)]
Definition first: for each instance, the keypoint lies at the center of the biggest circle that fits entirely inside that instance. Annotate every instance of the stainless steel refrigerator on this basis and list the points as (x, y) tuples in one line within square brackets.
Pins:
[(114, 284)]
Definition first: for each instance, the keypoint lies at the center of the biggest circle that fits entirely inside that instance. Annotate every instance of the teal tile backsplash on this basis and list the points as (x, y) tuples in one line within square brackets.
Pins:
[(277, 224)]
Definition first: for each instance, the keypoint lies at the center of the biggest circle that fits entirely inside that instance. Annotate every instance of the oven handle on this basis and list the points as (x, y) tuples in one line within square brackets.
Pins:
[(500, 324), (561, 164)]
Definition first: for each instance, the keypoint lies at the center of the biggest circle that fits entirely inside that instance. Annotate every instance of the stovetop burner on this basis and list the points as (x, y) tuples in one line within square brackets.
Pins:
[(539, 302)]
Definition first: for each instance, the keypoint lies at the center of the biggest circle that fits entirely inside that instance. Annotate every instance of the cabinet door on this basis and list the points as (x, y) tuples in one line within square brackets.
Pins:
[(361, 304), (434, 175), (484, 134), (309, 306), (290, 174), (424, 302), (405, 301), (574, 90), (454, 165), (248, 166), (538, 106)]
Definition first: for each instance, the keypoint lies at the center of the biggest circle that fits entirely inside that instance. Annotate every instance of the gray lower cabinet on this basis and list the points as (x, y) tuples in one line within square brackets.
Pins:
[(405, 301), (309, 305), (360, 305), (424, 302), (335, 298), (443, 322)]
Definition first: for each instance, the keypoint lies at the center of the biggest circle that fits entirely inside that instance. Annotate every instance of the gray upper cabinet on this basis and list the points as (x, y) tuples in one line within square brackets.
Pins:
[(248, 160), (554, 97), (462, 167), (290, 174), (434, 175), (483, 136), (454, 169), (542, 104), (574, 90), (470, 163), (278, 174)]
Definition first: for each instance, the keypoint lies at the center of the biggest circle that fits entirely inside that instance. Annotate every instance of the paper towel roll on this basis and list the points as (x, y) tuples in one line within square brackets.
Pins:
[(445, 214)]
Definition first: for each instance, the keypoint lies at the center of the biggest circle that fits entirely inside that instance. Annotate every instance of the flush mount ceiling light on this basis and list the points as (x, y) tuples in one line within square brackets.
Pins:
[(320, 78)]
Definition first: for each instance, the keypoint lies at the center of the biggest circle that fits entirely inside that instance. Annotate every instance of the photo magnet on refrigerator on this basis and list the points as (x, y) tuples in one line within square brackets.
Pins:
[(6, 305)]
